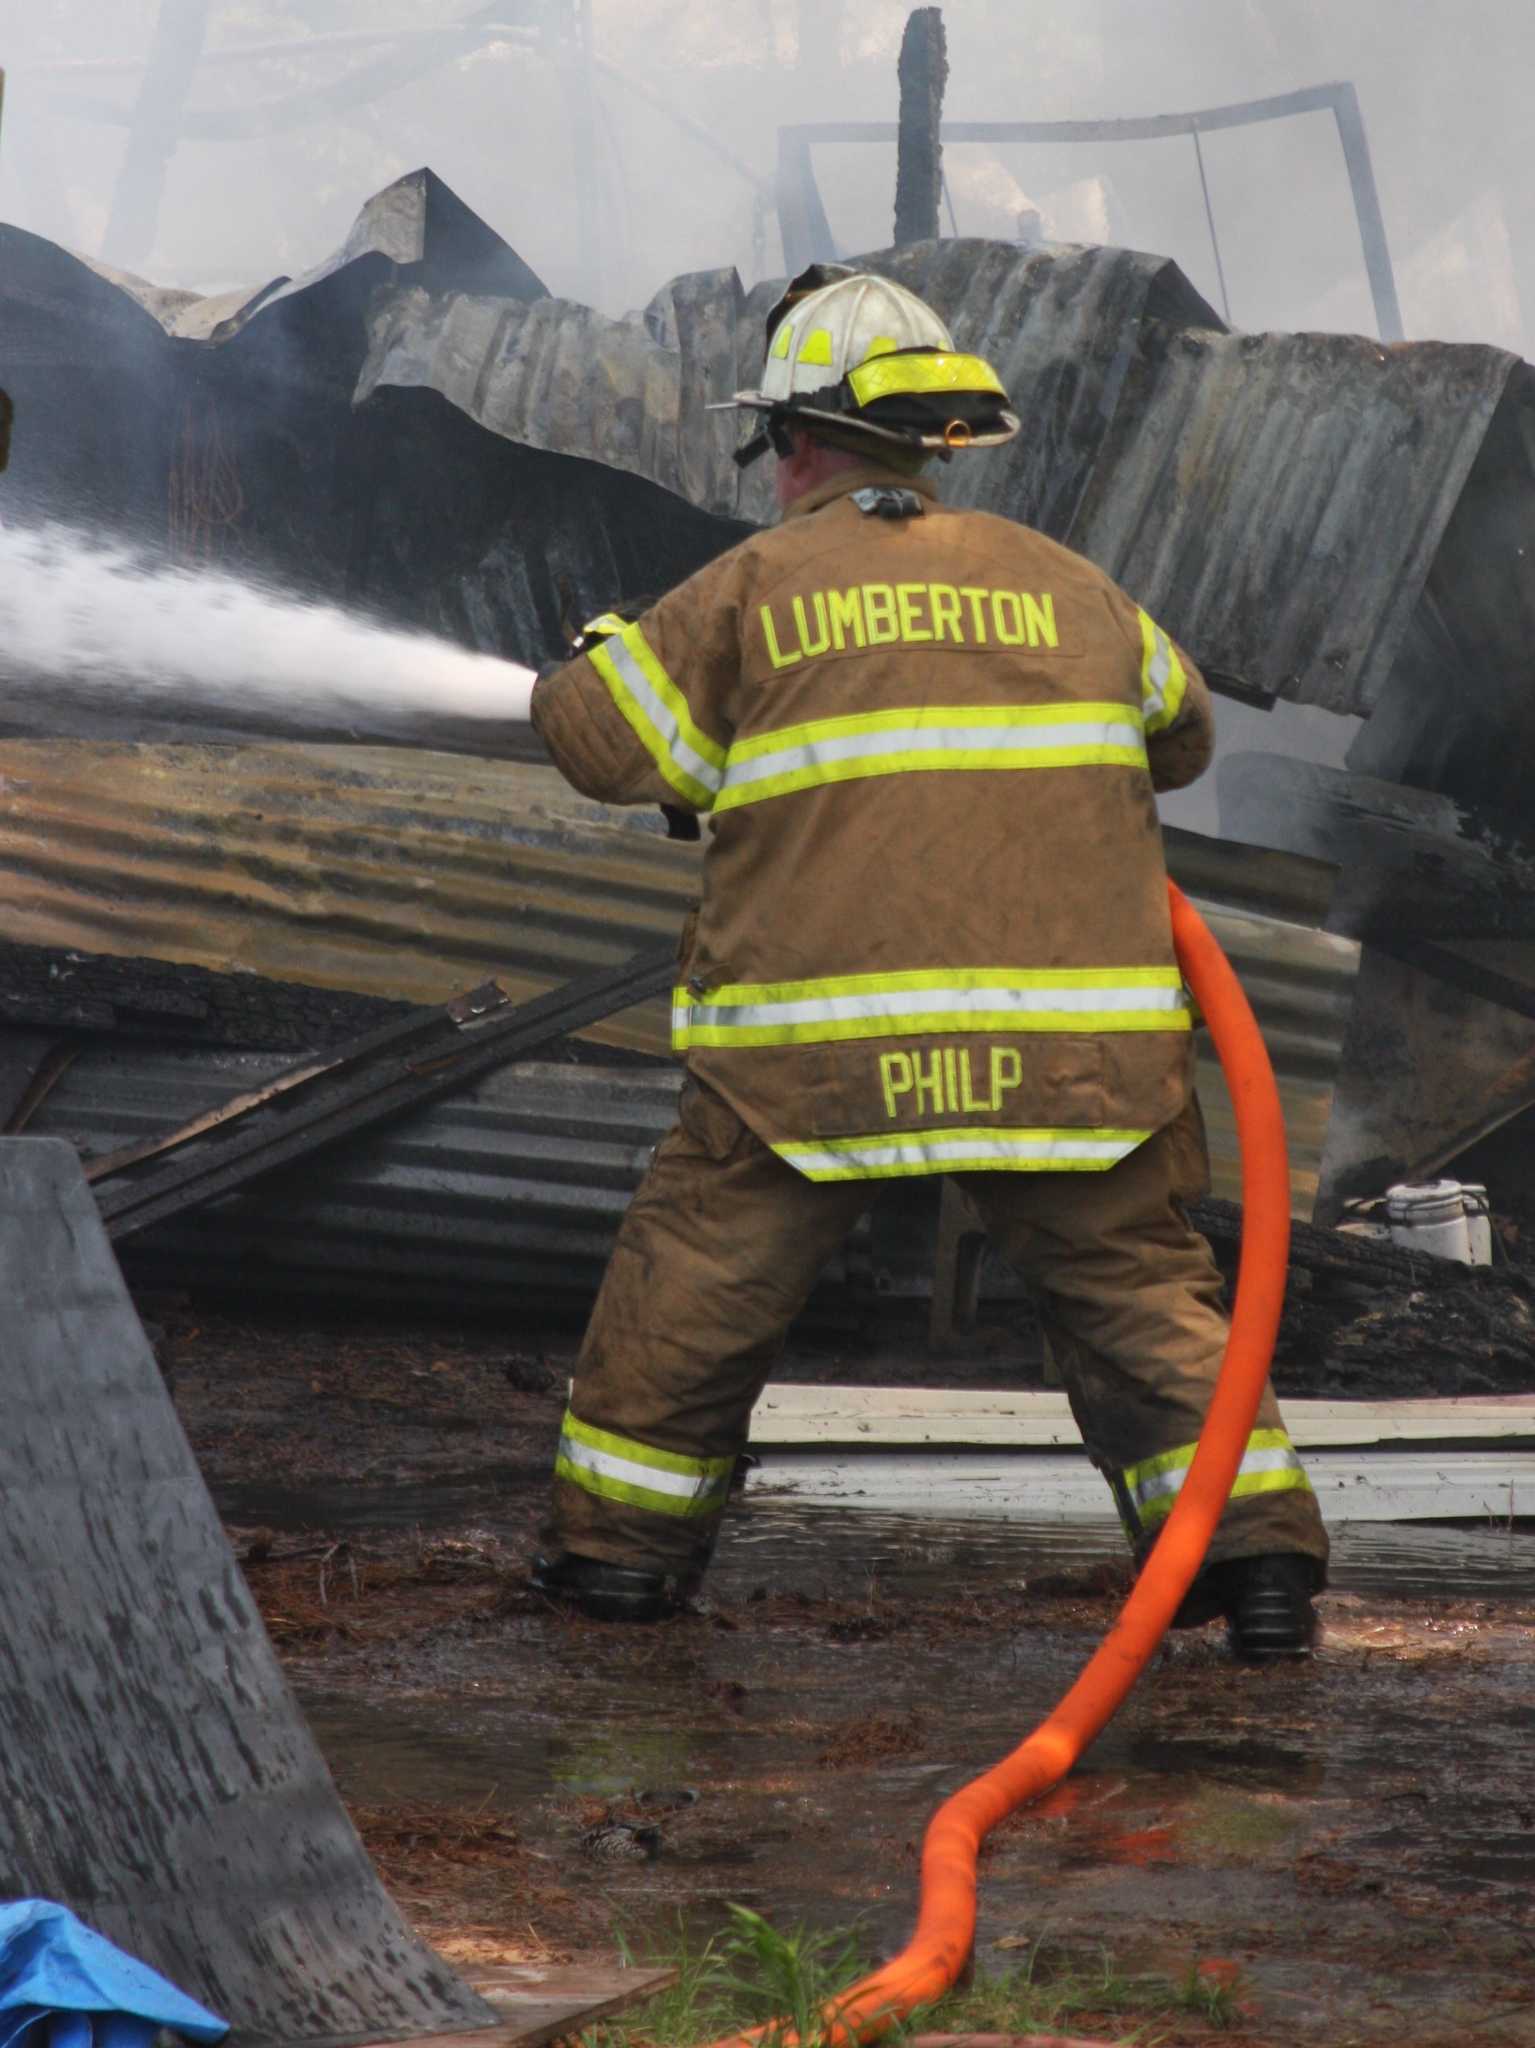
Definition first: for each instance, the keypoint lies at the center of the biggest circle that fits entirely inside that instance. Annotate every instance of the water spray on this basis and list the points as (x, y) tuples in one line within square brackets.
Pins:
[(95, 641)]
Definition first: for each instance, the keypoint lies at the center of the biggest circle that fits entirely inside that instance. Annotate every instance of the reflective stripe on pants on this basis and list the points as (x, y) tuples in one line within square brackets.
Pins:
[(1270, 1464), (723, 1241)]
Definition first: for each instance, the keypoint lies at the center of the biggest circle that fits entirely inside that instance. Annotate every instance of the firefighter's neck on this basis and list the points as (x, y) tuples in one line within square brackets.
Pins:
[(808, 465)]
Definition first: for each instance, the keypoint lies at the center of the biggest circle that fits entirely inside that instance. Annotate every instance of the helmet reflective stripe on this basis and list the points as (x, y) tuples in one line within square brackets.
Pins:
[(897, 376), (832, 331)]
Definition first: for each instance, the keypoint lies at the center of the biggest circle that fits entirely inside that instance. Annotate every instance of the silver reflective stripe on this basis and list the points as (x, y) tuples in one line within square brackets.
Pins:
[(661, 716), (933, 739), (1166, 1485), (1159, 671), (924, 1002), (878, 1155), (608, 1465)]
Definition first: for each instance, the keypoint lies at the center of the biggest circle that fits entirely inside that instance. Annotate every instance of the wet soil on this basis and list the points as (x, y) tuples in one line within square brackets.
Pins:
[(1353, 1841)]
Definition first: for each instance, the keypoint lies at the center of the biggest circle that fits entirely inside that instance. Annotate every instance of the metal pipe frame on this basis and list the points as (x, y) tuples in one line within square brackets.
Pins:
[(807, 233)]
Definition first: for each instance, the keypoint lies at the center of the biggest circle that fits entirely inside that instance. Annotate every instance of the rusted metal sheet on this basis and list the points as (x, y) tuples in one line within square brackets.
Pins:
[(512, 1190), (392, 874), (413, 875)]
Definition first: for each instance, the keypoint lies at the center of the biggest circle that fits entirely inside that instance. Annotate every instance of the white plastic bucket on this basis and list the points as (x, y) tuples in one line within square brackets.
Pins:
[(1478, 1221), (1431, 1218)]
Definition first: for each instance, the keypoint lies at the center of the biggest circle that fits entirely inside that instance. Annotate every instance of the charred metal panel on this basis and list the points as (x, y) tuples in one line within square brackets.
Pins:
[(508, 1195), (86, 368), (223, 432), (1428, 1070), (157, 1774), (1441, 1050), (1279, 500), (1267, 911), (1458, 714), (559, 377), (1412, 863)]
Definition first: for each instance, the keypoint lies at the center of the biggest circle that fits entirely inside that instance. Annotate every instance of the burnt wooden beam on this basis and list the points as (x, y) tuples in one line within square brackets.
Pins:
[(352, 1087), (924, 71)]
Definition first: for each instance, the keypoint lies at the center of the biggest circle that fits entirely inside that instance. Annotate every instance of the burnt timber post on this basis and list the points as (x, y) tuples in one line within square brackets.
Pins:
[(924, 71)]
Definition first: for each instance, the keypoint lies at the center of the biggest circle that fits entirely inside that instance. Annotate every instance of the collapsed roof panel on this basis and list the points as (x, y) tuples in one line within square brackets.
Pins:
[(426, 874), (223, 433), (1278, 499)]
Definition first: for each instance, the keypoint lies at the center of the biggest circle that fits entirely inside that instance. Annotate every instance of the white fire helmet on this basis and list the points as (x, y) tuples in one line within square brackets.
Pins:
[(864, 356)]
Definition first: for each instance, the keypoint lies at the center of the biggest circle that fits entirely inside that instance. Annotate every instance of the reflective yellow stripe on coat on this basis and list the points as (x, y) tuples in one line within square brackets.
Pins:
[(1164, 680), (658, 713), (619, 1468), (942, 737), (920, 1003)]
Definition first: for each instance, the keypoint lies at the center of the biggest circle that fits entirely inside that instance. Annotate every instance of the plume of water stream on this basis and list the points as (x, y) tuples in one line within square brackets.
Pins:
[(97, 642)]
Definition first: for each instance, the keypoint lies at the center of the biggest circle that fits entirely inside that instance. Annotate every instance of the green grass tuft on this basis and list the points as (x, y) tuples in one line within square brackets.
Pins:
[(749, 1973)]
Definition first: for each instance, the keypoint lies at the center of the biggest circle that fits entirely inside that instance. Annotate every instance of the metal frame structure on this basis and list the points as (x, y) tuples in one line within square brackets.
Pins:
[(807, 234)]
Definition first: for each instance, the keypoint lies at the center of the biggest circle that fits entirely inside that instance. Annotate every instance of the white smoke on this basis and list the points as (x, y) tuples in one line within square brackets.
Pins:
[(92, 638)]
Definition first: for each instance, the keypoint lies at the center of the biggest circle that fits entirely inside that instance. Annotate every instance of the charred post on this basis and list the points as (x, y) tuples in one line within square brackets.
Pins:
[(924, 71)]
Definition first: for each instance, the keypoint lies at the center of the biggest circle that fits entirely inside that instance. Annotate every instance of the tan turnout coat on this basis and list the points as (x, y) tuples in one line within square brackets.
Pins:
[(934, 932)]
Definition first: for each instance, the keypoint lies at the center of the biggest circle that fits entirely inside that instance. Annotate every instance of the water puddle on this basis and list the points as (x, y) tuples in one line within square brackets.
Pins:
[(1319, 1822)]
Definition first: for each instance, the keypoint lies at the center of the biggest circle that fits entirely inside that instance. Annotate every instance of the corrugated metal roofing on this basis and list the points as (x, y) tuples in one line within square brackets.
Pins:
[(386, 872), (1277, 499), (418, 875), (414, 876), (514, 1190)]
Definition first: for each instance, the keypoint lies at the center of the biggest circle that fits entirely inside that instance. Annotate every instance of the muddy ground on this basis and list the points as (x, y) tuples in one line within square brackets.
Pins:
[(1353, 1842)]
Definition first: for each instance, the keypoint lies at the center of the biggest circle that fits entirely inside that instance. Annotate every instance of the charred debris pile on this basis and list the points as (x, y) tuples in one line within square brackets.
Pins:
[(417, 430)]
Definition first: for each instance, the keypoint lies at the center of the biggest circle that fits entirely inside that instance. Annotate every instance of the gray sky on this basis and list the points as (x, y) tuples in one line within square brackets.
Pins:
[(1443, 88)]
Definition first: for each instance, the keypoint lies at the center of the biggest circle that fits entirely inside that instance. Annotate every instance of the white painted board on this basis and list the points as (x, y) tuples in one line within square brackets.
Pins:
[(891, 1417), (1045, 1486)]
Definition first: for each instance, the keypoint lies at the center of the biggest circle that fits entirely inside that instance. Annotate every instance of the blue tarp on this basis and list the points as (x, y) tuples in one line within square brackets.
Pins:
[(62, 1985)]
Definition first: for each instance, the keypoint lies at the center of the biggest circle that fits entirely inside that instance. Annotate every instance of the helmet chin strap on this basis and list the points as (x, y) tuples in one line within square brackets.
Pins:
[(855, 435)]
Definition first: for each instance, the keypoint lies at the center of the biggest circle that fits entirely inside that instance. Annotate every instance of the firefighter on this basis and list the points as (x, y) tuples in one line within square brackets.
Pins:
[(933, 938)]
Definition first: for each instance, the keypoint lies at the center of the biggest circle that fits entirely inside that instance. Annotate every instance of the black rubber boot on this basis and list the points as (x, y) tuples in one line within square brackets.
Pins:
[(607, 1592), (1269, 1613), (1266, 1602)]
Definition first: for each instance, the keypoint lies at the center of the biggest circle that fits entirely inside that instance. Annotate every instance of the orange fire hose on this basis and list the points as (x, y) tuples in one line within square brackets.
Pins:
[(934, 1957)]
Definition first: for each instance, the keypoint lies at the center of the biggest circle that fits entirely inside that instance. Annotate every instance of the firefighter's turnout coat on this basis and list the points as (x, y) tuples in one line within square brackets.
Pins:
[(934, 937), (934, 932)]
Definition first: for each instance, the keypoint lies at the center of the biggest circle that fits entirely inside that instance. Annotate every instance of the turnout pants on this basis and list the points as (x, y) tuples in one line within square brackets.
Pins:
[(722, 1244)]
